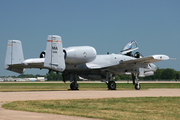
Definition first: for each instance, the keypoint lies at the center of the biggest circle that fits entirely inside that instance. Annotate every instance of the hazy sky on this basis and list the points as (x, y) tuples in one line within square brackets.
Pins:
[(107, 25)]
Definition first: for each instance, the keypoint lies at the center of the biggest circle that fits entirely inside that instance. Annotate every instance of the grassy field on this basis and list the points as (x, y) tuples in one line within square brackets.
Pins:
[(143, 108), (4, 87)]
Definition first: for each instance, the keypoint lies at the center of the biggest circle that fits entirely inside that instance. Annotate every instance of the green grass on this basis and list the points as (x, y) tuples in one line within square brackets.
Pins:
[(140, 108), (4, 87), (156, 108)]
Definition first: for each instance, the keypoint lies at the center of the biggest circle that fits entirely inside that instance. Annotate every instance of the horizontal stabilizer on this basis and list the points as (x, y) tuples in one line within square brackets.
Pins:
[(18, 70)]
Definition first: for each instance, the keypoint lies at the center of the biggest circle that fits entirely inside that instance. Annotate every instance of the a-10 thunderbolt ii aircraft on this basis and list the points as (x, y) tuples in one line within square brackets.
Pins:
[(82, 61)]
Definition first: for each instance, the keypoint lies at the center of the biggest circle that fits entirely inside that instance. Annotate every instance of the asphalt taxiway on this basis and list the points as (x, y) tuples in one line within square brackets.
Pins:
[(54, 95)]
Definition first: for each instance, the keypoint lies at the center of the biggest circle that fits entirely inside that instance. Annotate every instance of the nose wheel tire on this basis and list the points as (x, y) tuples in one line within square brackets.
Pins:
[(137, 86), (112, 85)]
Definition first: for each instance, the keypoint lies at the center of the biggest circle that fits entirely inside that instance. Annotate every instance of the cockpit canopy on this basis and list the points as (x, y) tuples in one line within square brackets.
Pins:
[(131, 46)]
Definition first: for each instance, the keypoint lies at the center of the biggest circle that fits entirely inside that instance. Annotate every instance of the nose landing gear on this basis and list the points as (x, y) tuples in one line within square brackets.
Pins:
[(137, 86), (136, 81)]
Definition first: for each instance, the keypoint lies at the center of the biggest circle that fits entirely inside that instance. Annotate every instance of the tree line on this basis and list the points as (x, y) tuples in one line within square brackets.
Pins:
[(161, 74)]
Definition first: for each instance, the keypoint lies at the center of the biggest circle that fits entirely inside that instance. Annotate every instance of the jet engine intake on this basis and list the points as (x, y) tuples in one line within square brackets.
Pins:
[(79, 55), (42, 55)]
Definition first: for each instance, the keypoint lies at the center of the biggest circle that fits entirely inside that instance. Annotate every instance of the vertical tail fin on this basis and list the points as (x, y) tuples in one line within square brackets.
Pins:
[(14, 55), (54, 58)]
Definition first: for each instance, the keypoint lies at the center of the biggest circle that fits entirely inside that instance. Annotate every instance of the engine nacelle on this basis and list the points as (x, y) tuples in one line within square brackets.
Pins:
[(150, 73), (79, 55)]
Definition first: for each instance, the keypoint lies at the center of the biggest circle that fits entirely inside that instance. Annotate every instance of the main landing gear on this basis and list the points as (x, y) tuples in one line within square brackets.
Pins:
[(74, 85), (136, 81), (111, 84)]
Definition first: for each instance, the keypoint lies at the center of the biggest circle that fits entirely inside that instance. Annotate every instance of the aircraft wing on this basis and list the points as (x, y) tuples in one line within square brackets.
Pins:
[(129, 63), (147, 60), (135, 64)]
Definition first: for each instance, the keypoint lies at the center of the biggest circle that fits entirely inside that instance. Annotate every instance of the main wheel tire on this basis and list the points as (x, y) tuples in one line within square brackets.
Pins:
[(74, 86), (112, 85), (137, 87)]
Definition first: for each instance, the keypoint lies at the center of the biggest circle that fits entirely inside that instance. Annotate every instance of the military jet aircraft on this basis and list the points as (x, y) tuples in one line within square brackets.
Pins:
[(83, 61)]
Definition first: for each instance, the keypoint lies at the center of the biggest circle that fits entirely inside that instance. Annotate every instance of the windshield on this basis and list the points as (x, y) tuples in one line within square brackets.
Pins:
[(131, 46)]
